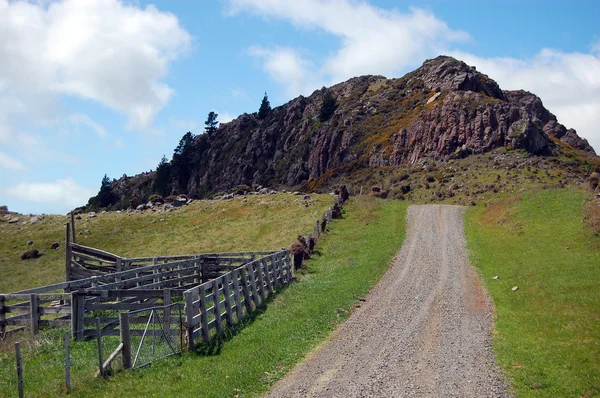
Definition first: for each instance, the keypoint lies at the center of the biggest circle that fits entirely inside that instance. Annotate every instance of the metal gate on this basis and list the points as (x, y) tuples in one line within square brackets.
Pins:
[(156, 333)]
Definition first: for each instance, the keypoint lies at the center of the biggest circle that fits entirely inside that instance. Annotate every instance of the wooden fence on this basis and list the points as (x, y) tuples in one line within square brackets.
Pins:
[(225, 300)]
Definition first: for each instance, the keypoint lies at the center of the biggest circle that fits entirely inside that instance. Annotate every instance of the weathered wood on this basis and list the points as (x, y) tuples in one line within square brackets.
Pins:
[(227, 294), (99, 342), (265, 266), (245, 289), (77, 315), (112, 357), (217, 303), (90, 251), (166, 304), (73, 227), (252, 275), (275, 268), (2, 316), (19, 369), (261, 281), (189, 318), (35, 313), (68, 361), (203, 313), (69, 255), (236, 293)]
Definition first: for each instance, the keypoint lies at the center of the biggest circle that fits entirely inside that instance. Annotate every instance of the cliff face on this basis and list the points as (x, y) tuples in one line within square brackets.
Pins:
[(443, 109)]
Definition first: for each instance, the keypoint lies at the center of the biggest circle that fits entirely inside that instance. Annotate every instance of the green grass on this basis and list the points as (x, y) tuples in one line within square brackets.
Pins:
[(547, 333), (265, 222), (351, 259)]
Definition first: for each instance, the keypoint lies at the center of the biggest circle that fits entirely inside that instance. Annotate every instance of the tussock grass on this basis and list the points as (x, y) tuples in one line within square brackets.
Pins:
[(547, 335), (350, 260)]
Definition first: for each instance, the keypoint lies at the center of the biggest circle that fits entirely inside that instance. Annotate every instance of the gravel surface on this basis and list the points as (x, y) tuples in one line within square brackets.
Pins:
[(423, 331)]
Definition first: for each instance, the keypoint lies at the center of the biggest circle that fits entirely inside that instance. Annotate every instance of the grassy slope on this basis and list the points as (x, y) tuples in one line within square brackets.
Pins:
[(352, 258), (547, 333), (260, 223)]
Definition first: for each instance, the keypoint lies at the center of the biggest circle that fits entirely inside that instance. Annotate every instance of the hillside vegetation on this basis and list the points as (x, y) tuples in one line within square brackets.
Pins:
[(351, 258), (547, 336), (256, 222)]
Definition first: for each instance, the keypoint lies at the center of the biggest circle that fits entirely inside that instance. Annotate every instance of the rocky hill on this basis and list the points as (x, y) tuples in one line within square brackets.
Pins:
[(443, 110)]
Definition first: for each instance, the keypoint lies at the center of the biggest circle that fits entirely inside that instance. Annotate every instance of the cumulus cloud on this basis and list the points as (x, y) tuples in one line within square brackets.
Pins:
[(10, 163), (101, 50), (65, 193), (567, 83), (372, 40)]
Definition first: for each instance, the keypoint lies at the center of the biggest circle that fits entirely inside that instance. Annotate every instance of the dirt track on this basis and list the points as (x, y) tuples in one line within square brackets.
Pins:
[(423, 331)]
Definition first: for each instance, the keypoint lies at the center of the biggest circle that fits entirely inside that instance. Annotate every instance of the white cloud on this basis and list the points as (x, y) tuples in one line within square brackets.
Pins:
[(10, 163), (225, 117), (80, 118), (567, 83), (288, 68), (183, 124), (65, 193), (372, 40), (102, 50)]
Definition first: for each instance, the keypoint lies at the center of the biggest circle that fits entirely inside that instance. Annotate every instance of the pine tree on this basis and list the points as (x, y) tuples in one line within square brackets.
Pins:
[(211, 123), (265, 107), (181, 165), (162, 177)]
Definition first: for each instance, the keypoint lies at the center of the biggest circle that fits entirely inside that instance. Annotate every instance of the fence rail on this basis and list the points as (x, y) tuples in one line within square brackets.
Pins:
[(226, 299)]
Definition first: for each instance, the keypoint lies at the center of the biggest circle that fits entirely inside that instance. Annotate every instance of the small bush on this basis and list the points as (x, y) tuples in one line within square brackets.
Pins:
[(336, 210), (592, 215), (156, 199), (241, 189), (170, 198), (344, 194), (593, 180)]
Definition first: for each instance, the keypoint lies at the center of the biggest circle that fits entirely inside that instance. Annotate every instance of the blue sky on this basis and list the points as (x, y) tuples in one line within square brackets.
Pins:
[(94, 87)]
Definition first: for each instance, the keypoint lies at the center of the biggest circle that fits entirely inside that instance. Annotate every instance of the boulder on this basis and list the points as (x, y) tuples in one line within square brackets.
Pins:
[(29, 254), (29, 243), (14, 220), (178, 202), (54, 245)]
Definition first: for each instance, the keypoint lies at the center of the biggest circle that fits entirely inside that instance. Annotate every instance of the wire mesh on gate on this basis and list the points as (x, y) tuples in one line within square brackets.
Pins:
[(155, 333)]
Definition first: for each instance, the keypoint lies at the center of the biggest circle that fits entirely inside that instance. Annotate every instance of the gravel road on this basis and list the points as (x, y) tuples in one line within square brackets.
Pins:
[(423, 331)]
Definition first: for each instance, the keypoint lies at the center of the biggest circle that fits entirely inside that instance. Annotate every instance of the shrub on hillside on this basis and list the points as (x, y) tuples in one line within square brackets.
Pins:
[(241, 189), (156, 199), (592, 215), (593, 180)]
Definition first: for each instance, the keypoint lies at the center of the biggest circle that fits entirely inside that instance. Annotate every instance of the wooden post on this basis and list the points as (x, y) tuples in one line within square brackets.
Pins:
[(236, 294), (251, 273), (204, 271), (245, 290), (19, 369), (265, 266), (77, 315), (217, 305), (227, 294), (99, 341), (203, 317), (68, 256), (287, 262), (196, 272), (125, 339), (155, 271), (2, 315), (261, 280), (68, 361), (273, 259), (73, 227), (189, 318), (166, 304), (34, 304)]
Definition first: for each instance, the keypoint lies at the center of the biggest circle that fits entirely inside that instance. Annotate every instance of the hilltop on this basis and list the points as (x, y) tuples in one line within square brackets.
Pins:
[(357, 131)]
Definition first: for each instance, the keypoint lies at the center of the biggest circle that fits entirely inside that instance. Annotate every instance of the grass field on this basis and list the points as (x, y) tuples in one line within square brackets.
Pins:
[(547, 333), (265, 222), (350, 260)]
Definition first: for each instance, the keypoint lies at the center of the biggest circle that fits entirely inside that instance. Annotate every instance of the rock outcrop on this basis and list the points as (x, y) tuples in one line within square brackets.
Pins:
[(442, 110)]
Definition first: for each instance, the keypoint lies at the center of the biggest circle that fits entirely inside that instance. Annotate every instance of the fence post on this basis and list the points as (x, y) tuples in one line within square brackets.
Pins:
[(166, 304), (19, 369), (217, 305), (291, 272), (68, 361), (99, 340), (189, 318), (73, 227), (227, 294), (245, 290), (2, 315), (125, 339), (34, 304), (68, 255), (236, 294), (77, 315), (203, 317)]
